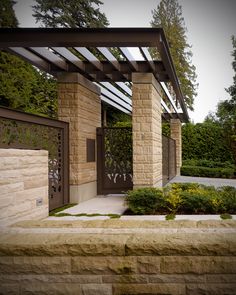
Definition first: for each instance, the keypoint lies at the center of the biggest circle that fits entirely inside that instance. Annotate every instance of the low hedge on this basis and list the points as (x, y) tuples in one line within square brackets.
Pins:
[(208, 172), (183, 198), (208, 163)]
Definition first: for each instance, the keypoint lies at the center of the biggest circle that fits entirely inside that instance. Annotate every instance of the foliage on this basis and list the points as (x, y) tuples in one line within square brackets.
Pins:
[(200, 171), (189, 198), (21, 85), (24, 88), (225, 216), (144, 200), (168, 15), (205, 141), (170, 216), (70, 14), (172, 198), (166, 129), (225, 115), (7, 15), (208, 163)]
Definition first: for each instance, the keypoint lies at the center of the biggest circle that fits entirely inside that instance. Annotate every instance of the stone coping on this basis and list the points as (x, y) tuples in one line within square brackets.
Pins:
[(141, 244), (126, 224)]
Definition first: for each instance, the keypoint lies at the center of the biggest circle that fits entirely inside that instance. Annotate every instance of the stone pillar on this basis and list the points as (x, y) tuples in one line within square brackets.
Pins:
[(176, 134), (147, 133), (79, 104)]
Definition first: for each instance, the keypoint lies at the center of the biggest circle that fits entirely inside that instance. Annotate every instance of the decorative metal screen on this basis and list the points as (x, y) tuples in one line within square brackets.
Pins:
[(168, 159), (115, 163), (24, 131)]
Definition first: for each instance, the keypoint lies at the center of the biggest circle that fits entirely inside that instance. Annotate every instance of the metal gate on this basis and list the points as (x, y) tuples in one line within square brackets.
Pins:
[(26, 131), (168, 159), (114, 160)]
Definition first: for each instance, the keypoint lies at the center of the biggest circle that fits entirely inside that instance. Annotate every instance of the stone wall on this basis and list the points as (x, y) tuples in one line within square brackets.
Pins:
[(178, 263), (176, 134), (79, 104), (23, 185), (147, 131)]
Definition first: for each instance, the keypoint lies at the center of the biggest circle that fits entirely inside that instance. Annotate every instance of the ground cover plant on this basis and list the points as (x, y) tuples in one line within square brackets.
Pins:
[(182, 198)]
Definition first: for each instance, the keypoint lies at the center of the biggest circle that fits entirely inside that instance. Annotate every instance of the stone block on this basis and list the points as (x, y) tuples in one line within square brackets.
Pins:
[(93, 289), (52, 289), (35, 265), (125, 279), (148, 264), (210, 289), (9, 289), (104, 265), (198, 265), (149, 289)]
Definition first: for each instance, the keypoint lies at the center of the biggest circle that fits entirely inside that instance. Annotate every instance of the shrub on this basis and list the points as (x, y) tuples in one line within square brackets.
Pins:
[(183, 198), (144, 200), (208, 163), (207, 172)]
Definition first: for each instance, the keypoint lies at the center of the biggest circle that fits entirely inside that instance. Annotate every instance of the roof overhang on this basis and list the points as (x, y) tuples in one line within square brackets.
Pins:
[(73, 50)]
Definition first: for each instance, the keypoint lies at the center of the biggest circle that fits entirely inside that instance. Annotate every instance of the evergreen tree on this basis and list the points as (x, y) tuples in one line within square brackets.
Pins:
[(7, 14), (22, 86), (70, 14), (168, 15)]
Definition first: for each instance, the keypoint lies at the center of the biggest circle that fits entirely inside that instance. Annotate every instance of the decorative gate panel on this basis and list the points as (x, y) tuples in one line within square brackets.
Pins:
[(114, 160), (25, 131), (168, 159)]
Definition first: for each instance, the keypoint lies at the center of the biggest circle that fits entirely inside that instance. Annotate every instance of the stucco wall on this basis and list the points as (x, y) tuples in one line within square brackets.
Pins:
[(23, 185)]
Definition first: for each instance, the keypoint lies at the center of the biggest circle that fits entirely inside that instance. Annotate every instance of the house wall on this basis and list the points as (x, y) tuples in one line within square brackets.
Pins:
[(23, 182), (79, 104)]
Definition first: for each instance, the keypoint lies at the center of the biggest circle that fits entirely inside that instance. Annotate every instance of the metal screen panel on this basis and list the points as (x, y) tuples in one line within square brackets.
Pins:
[(25, 131), (168, 159), (114, 160)]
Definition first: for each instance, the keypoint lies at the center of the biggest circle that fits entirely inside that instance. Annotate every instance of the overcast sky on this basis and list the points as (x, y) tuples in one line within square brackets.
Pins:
[(210, 24)]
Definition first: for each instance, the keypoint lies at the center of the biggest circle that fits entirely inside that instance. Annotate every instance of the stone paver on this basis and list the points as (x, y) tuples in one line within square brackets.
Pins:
[(110, 204), (217, 182)]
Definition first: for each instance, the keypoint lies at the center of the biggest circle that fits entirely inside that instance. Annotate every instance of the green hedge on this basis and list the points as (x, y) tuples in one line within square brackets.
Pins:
[(208, 163), (200, 171), (205, 141)]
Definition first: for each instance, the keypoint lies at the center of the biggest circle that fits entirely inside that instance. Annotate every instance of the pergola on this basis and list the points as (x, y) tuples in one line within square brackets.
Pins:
[(76, 50), (114, 66)]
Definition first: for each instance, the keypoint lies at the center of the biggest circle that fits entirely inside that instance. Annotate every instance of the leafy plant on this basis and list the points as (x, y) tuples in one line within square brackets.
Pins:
[(170, 216), (226, 216), (145, 200)]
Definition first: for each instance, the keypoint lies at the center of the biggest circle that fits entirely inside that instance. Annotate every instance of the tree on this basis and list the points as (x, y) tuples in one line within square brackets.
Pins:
[(7, 14), (22, 86), (168, 15), (70, 14)]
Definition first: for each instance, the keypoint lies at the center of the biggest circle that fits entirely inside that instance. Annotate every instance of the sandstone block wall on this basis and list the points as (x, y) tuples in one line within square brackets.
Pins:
[(147, 131), (176, 134), (79, 104), (99, 264), (23, 181)]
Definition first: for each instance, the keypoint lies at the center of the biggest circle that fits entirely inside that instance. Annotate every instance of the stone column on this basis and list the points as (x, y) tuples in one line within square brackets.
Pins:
[(147, 133), (79, 104), (176, 134)]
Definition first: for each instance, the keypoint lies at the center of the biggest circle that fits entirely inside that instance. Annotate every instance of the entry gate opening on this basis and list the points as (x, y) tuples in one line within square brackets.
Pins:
[(114, 160)]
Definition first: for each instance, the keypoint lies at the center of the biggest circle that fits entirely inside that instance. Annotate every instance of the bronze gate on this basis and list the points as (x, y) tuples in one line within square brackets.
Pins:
[(114, 160), (168, 159), (26, 131)]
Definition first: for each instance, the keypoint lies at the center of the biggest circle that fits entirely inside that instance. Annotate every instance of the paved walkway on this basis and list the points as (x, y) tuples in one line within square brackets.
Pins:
[(217, 182)]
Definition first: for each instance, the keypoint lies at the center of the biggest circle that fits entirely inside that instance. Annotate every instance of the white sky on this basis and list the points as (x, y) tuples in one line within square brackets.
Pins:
[(210, 24)]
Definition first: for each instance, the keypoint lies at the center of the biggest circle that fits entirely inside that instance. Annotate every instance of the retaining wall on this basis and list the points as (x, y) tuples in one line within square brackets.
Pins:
[(118, 264), (23, 185)]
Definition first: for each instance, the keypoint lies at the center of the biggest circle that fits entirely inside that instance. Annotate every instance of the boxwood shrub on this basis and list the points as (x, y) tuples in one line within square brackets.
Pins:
[(200, 171)]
